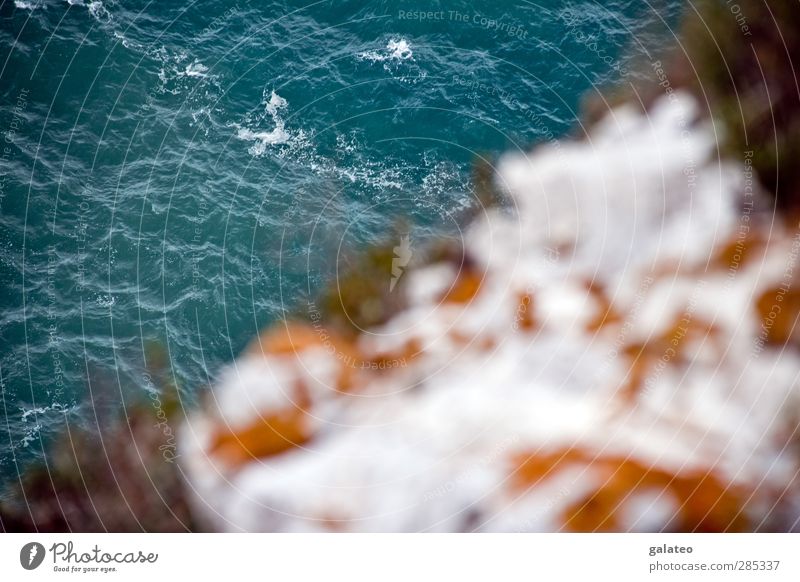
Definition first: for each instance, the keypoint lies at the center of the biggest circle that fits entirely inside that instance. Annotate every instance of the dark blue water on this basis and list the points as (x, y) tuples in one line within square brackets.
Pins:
[(182, 175)]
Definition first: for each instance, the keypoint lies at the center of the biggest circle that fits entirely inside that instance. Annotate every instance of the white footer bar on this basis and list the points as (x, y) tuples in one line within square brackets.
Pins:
[(401, 557)]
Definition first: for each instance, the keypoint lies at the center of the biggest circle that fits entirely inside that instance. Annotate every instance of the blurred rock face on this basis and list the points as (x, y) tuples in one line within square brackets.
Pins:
[(616, 353)]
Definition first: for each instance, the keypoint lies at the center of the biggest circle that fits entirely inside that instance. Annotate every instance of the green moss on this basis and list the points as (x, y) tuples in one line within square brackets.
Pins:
[(748, 77), (360, 296)]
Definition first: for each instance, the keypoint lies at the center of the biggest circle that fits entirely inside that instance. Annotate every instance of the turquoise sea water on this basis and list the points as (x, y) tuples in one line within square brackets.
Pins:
[(186, 173)]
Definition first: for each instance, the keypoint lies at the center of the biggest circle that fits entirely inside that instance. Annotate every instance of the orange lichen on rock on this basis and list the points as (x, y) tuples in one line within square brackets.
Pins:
[(666, 349), (400, 358), (483, 342), (283, 339), (524, 318), (641, 360), (290, 339), (465, 288), (739, 251), (265, 437), (779, 310), (705, 503), (606, 314)]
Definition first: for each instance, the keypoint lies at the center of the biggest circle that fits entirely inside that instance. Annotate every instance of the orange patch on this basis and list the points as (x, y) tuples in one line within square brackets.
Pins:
[(524, 317), (399, 359), (484, 343), (459, 337), (487, 344), (606, 315), (281, 339), (641, 362), (292, 338), (779, 309), (669, 347), (705, 503), (266, 437), (738, 251), (465, 288)]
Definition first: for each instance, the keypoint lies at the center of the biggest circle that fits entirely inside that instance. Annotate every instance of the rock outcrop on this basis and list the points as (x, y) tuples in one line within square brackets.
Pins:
[(614, 351)]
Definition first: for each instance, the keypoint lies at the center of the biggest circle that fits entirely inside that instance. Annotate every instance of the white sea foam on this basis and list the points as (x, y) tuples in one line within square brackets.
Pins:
[(196, 69), (106, 300), (22, 5), (40, 410), (96, 8), (30, 436), (264, 139), (33, 414), (121, 37), (397, 49), (275, 103), (178, 74), (99, 12)]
